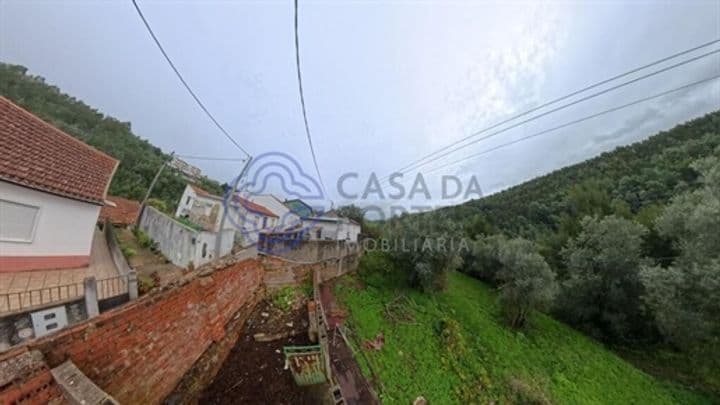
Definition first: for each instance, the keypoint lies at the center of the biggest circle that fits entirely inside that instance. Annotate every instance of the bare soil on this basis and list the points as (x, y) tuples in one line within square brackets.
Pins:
[(152, 267), (254, 372)]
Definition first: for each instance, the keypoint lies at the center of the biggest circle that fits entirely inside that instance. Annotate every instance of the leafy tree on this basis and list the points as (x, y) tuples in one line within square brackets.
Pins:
[(685, 296), (602, 292), (353, 212), (526, 281), (482, 260), (426, 250)]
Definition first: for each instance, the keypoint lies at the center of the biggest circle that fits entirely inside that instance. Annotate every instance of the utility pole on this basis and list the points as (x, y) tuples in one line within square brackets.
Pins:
[(228, 201), (152, 185)]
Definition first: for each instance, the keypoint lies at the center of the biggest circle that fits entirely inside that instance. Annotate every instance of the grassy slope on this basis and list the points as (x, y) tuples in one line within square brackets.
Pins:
[(566, 366)]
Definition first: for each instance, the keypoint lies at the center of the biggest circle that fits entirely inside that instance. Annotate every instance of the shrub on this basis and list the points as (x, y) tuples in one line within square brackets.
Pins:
[(283, 298), (526, 393), (159, 204), (142, 238), (128, 252)]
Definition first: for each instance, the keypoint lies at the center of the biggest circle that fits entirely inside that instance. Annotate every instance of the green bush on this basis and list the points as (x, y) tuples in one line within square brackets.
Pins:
[(142, 238), (159, 204), (283, 298), (128, 252)]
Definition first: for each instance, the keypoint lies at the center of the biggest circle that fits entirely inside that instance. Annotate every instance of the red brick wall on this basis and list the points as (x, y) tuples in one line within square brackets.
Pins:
[(138, 353)]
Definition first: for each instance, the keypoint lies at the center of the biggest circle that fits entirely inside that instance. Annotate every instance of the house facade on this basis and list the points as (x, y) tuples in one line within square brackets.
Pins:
[(331, 226), (245, 217), (202, 207), (52, 187), (250, 219), (286, 218)]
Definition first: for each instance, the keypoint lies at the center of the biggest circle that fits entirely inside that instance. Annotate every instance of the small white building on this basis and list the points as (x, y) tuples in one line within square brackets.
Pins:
[(286, 218), (331, 226), (51, 189), (245, 217)]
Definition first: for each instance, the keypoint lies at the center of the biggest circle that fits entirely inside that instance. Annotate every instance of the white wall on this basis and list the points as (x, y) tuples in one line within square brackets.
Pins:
[(339, 229), (286, 217), (64, 227), (206, 240), (184, 205), (349, 231)]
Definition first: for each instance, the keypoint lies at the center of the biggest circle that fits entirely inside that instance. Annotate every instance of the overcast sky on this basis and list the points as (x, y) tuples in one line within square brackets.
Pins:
[(386, 82)]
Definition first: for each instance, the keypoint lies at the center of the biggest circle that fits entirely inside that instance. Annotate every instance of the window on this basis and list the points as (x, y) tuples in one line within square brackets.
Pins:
[(17, 221), (264, 222), (204, 250), (187, 202), (318, 233)]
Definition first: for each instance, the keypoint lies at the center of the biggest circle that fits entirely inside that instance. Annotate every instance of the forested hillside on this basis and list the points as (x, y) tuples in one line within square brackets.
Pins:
[(624, 247), (139, 159)]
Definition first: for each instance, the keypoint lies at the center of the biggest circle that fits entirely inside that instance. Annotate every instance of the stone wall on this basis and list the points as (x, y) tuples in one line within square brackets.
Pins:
[(280, 272), (310, 251), (139, 352)]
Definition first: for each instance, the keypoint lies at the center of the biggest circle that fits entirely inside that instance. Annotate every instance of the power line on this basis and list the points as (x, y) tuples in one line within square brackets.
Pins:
[(182, 79), (562, 107), (212, 158), (577, 121), (302, 98), (589, 87)]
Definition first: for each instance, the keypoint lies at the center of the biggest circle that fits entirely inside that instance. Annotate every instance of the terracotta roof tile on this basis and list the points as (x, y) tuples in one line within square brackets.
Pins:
[(256, 208), (204, 193), (124, 212), (37, 155)]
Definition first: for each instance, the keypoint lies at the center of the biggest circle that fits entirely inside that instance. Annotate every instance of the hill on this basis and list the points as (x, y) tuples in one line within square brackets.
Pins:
[(139, 159), (638, 175), (453, 347), (623, 247)]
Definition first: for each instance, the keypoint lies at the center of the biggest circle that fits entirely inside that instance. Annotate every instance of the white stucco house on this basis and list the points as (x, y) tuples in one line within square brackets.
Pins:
[(286, 217), (331, 226), (245, 217), (52, 187)]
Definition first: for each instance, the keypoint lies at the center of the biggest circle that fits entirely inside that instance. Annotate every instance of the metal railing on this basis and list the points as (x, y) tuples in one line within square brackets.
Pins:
[(111, 287), (22, 300)]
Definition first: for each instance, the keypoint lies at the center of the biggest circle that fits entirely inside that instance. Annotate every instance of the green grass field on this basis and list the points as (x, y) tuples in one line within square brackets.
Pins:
[(452, 347)]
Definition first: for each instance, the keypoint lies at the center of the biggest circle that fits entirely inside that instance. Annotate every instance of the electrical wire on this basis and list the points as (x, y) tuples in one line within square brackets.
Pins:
[(182, 79), (302, 99), (415, 163), (212, 158), (577, 121)]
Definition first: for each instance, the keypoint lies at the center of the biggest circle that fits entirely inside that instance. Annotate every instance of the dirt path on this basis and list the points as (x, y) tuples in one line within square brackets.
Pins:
[(254, 373)]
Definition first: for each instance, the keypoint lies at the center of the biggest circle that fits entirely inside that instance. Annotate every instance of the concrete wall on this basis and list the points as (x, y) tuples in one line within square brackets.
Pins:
[(175, 240), (64, 227), (180, 243), (207, 239), (139, 352), (115, 252)]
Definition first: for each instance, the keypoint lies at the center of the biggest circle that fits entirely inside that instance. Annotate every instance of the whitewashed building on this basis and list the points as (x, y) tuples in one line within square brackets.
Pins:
[(52, 187)]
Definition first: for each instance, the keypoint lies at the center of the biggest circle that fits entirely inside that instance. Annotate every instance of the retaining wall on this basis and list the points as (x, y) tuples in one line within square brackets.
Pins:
[(139, 352)]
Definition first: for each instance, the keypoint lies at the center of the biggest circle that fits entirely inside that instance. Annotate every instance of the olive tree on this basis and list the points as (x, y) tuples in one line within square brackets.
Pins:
[(526, 281), (601, 293), (685, 297), (426, 247)]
